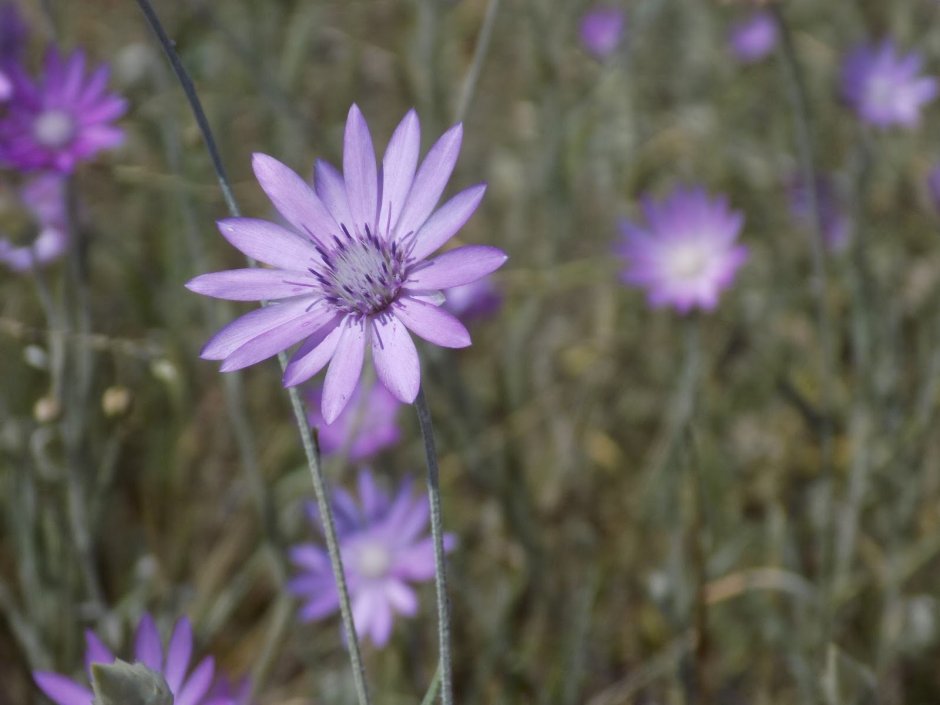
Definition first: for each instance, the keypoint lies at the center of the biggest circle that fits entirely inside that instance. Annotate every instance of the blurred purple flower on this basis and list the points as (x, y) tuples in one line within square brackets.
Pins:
[(687, 253), (754, 38), (474, 300), (384, 548), (61, 120), (367, 425), (356, 275), (884, 87), (43, 197), (601, 30), (13, 32), (172, 664), (835, 222)]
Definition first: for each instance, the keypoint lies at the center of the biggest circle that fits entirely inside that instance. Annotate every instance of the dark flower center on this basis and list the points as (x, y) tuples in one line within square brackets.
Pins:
[(362, 274)]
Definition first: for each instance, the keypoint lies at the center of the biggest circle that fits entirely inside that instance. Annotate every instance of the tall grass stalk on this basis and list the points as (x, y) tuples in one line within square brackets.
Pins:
[(306, 436)]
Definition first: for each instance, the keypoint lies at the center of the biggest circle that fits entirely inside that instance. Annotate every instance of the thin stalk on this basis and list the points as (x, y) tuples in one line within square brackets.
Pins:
[(469, 85), (306, 437), (805, 153), (431, 695), (440, 567)]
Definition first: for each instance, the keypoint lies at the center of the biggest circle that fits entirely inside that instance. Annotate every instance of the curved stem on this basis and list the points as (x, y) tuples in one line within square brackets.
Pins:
[(479, 55), (306, 437), (440, 566)]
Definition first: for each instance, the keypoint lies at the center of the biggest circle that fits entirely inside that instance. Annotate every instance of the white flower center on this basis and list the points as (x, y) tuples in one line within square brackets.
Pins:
[(881, 92), (54, 128), (373, 560), (687, 261)]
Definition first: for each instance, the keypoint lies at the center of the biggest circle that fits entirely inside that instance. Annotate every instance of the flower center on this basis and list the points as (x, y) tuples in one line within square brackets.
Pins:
[(361, 274), (881, 92), (373, 561), (687, 262), (54, 128)]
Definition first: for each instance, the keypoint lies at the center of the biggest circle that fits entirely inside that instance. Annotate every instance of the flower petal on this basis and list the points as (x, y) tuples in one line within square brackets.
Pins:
[(326, 602), (312, 356), (345, 367), (250, 284), (332, 191), (269, 243), (401, 597), (147, 647), (447, 220), (197, 685), (432, 323), (359, 170), (293, 198), (62, 690), (429, 184), (455, 267), (396, 359), (398, 170), (95, 651), (381, 621), (178, 653), (235, 334), (274, 340)]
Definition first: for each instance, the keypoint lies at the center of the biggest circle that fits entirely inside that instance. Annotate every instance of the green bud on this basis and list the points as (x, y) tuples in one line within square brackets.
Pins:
[(121, 683)]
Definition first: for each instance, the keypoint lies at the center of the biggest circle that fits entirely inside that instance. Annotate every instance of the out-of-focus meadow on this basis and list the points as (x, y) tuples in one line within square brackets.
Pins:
[(759, 525)]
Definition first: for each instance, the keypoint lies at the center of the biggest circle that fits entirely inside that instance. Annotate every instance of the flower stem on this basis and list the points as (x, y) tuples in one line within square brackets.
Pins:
[(306, 437), (440, 568), (469, 85)]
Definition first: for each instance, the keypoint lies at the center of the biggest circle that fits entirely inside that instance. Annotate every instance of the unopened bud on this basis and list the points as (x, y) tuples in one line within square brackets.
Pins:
[(121, 683)]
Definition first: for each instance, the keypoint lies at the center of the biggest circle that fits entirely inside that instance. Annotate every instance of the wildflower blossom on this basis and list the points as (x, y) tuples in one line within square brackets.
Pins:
[(367, 425), (601, 31), (835, 222), (42, 198), (687, 253), (884, 87), (754, 38), (355, 271), (172, 663), (64, 118), (384, 548), (474, 300)]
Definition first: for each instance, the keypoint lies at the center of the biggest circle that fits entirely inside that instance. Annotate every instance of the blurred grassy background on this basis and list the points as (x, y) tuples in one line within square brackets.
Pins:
[(589, 555)]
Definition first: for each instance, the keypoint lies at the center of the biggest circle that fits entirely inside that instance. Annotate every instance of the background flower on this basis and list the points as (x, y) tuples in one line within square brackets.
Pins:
[(367, 425), (172, 663), (43, 197), (355, 273), (384, 548), (687, 252), (884, 87), (62, 119), (754, 38), (602, 30), (474, 300), (835, 221)]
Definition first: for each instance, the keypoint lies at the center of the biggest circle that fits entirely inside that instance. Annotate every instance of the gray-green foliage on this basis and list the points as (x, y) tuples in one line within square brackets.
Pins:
[(122, 683)]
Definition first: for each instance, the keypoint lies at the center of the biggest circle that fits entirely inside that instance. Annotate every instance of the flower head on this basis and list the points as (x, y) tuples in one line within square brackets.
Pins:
[(884, 87), (835, 222), (62, 119), (601, 30), (353, 272), (368, 424), (754, 38), (384, 548), (42, 201), (475, 300), (687, 253), (172, 663)]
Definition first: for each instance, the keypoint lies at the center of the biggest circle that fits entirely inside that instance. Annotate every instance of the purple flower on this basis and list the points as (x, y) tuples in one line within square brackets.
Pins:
[(885, 88), (367, 425), (61, 120), (601, 30), (475, 300), (354, 271), (172, 664), (933, 186), (836, 224), (687, 253), (754, 38), (43, 198), (384, 548)]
